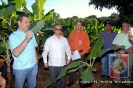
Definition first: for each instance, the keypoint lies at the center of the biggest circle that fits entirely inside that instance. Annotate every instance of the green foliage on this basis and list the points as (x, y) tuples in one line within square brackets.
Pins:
[(6, 10), (39, 25), (2, 47), (96, 48), (124, 7), (49, 15), (64, 71), (38, 9), (87, 75), (111, 48)]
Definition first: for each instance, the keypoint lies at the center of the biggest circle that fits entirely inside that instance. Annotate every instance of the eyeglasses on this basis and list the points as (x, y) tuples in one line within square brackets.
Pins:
[(58, 29)]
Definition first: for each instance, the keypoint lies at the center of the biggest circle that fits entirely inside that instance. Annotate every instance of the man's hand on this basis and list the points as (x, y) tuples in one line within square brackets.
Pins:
[(81, 54), (28, 36), (45, 65), (36, 61), (121, 52), (72, 52), (68, 62), (3, 82)]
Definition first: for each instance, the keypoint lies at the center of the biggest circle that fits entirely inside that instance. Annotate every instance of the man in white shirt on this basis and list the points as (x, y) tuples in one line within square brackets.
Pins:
[(56, 47)]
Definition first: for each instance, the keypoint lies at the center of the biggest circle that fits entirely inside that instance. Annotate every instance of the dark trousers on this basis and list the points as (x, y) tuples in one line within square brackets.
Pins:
[(54, 72), (72, 74)]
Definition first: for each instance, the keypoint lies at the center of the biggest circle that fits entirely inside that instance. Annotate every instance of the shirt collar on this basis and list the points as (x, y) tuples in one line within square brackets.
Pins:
[(21, 32), (110, 32), (57, 38), (79, 31)]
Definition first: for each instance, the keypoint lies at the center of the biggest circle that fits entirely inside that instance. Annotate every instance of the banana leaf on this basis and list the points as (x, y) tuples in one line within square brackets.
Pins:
[(49, 15), (39, 25), (87, 75), (96, 48), (38, 8), (6, 10), (106, 50), (2, 47), (64, 72)]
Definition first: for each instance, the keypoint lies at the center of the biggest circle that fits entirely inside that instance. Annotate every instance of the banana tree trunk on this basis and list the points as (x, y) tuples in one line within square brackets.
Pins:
[(8, 61), (8, 77)]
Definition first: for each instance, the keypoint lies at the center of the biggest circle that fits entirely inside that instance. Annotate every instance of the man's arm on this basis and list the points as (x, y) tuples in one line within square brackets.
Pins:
[(45, 53), (86, 46), (19, 49), (129, 49), (68, 53), (36, 56), (70, 42)]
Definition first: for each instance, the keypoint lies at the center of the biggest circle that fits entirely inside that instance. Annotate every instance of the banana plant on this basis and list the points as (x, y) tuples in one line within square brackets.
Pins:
[(87, 75)]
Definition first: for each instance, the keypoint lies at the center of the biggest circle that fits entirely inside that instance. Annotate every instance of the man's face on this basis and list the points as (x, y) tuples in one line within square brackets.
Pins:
[(24, 24), (78, 26), (108, 27), (57, 30), (125, 27)]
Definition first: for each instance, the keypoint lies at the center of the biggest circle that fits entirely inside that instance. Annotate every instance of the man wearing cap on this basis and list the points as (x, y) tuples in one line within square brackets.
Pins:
[(108, 36), (78, 40), (56, 47)]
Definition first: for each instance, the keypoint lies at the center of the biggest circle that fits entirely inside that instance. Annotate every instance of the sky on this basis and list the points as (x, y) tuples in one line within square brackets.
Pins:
[(69, 8)]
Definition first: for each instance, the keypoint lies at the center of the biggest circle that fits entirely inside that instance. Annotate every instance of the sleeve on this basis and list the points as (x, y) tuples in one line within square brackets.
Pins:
[(70, 40), (13, 42), (87, 44), (34, 39), (115, 41), (46, 49), (67, 49)]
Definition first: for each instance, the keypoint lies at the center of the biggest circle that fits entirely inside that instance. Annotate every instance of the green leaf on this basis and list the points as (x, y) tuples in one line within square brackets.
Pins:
[(33, 24), (74, 69), (64, 71), (106, 50), (87, 75), (48, 85), (39, 56), (20, 13), (49, 15), (0, 37), (38, 27), (6, 10), (38, 8), (19, 3), (96, 48), (2, 47)]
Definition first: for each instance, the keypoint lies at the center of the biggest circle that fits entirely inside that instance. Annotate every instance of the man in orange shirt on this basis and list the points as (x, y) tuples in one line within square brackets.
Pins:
[(78, 40)]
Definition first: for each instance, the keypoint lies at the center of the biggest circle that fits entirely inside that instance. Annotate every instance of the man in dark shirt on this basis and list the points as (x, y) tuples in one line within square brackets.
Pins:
[(108, 36)]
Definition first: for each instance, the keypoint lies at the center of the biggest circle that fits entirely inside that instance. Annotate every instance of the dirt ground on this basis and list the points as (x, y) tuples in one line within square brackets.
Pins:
[(43, 78)]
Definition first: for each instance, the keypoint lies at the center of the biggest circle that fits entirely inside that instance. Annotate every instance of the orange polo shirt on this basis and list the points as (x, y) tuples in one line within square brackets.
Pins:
[(79, 41)]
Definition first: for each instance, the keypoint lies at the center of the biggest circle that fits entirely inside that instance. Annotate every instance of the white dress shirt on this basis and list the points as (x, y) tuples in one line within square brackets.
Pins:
[(56, 49)]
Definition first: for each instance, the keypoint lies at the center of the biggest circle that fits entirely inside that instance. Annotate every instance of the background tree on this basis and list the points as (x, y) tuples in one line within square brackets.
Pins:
[(124, 7)]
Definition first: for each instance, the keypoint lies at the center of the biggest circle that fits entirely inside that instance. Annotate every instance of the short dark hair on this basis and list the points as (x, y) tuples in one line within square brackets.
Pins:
[(79, 21), (20, 17), (57, 25)]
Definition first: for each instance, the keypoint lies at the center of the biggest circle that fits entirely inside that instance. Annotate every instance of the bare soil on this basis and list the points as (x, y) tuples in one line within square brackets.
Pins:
[(43, 78)]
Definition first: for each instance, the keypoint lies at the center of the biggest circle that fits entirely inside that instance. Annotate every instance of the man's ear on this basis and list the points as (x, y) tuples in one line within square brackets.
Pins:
[(19, 22), (53, 30)]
